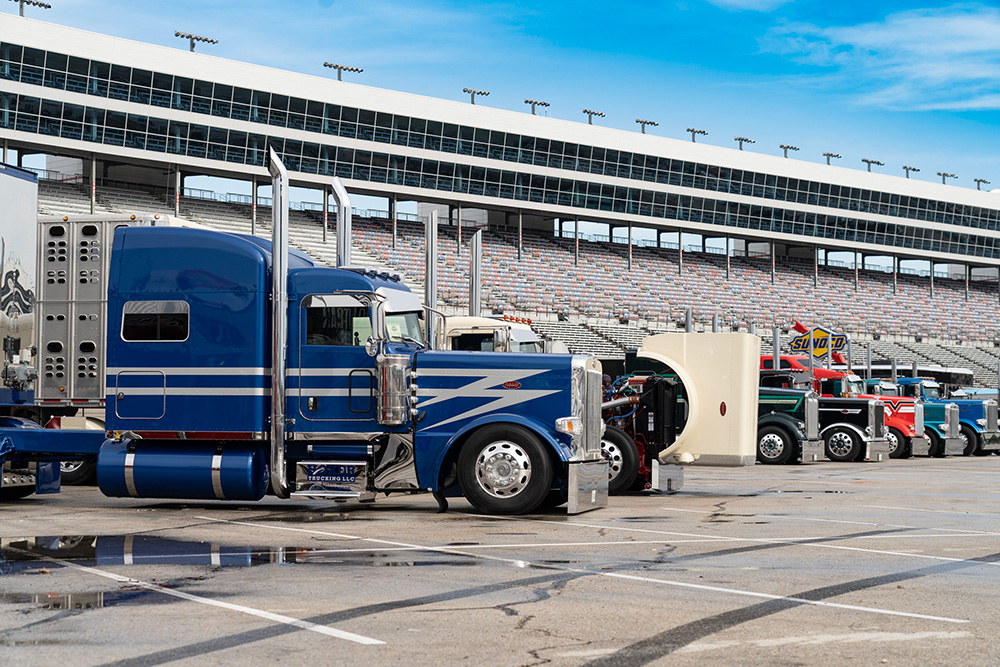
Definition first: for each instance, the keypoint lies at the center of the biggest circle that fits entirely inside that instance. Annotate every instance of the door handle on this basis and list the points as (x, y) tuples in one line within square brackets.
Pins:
[(312, 404)]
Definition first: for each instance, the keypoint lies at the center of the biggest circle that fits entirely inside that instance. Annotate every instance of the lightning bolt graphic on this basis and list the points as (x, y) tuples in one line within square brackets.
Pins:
[(486, 387)]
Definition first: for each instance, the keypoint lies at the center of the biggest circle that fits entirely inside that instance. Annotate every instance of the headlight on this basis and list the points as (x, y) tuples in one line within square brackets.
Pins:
[(981, 422), (801, 425)]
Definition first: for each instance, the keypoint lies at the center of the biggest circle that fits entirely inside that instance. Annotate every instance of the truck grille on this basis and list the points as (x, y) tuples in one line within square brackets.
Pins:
[(918, 418), (991, 415), (812, 417), (593, 393), (876, 419)]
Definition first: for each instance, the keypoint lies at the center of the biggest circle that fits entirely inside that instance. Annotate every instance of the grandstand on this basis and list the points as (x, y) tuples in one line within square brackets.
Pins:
[(138, 118), (596, 296)]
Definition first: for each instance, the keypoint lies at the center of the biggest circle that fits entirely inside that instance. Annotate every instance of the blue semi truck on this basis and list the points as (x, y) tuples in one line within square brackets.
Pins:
[(977, 418), (230, 367)]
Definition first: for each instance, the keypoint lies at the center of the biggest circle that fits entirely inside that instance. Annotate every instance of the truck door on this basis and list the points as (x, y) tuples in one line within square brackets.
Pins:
[(337, 383)]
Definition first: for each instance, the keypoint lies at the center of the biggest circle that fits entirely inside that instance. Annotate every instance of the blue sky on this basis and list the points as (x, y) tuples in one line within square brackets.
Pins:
[(903, 83)]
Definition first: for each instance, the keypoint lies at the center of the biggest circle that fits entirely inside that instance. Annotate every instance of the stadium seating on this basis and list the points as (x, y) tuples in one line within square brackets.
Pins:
[(601, 290)]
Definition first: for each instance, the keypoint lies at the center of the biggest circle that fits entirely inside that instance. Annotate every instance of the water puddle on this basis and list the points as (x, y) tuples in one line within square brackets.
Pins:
[(33, 555)]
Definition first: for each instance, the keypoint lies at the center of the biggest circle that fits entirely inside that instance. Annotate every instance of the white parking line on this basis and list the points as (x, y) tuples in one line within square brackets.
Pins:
[(277, 618), (758, 540), (613, 575), (860, 523), (918, 509)]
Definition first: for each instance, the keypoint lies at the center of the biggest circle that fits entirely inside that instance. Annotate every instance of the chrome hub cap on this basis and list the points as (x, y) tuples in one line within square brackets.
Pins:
[(772, 445), (893, 441), (69, 466), (503, 469), (841, 443), (612, 453)]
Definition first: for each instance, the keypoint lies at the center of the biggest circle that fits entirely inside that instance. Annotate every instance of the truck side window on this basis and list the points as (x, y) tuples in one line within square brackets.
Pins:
[(337, 320), (155, 321), (337, 326)]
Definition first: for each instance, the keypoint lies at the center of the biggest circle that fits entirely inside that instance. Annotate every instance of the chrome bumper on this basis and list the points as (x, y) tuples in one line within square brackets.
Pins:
[(920, 445), (954, 447), (875, 449), (991, 441), (587, 487), (812, 450)]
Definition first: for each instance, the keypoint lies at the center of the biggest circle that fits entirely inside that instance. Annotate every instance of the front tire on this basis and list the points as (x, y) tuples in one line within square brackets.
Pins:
[(504, 469), (970, 438), (619, 450), (842, 445), (897, 444), (774, 445)]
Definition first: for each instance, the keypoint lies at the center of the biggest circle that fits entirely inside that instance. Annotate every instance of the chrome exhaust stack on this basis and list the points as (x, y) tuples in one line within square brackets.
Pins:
[(430, 273), (279, 320), (343, 223)]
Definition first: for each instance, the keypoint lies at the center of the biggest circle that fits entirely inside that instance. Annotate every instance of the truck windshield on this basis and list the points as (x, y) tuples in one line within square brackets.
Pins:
[(404, 327), (856, 386), (526, 346), (932, 391)]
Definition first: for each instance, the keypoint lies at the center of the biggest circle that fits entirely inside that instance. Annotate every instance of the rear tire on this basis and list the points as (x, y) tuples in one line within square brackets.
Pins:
[(842, 444), (774, 445), (897, 444), (504, 469), (76, 473), (619, 450)]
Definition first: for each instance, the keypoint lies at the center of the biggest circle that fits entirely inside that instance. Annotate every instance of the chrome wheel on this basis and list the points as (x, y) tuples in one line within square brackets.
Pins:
[(69, 467), (771, 446), (612, 453), (893, 442), (503, 469), (840, 444)]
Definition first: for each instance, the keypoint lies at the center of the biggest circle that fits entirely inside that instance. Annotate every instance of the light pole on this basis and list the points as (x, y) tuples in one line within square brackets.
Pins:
[(945, 175), (535, 103), (830, 155), (33, 3), (194, 38), (871, 162), (590, 115), (743, 140), (473, 92), (644, 123), (694, 133), (787, 147), (909, 169), (980, 181), (342, 68)]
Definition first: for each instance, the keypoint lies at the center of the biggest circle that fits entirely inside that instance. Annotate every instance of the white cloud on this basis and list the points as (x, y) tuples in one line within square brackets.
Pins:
[(946, 58)]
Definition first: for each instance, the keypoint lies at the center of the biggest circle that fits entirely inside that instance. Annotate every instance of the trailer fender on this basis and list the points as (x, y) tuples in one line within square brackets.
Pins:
[(861, 434)]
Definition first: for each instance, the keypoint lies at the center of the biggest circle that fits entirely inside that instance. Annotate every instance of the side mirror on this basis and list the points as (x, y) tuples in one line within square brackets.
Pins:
[(371, 346)]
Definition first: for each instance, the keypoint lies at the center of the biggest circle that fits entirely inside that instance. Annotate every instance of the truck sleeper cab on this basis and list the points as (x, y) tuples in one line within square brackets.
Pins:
[(369, 409)]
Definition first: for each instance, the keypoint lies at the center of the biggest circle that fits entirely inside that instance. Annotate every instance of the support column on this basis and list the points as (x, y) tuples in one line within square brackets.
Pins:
[(459, 248), (815, 267), (576, 239), (5, 151), (253, 206), (630, 246), (520, 237), (93, 184), (966, 282), (728, 267), (773, 252), (392, 217), (895, 270), (326, 212), (680, 253), (177, 191), (932, 278), (856, 271)]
